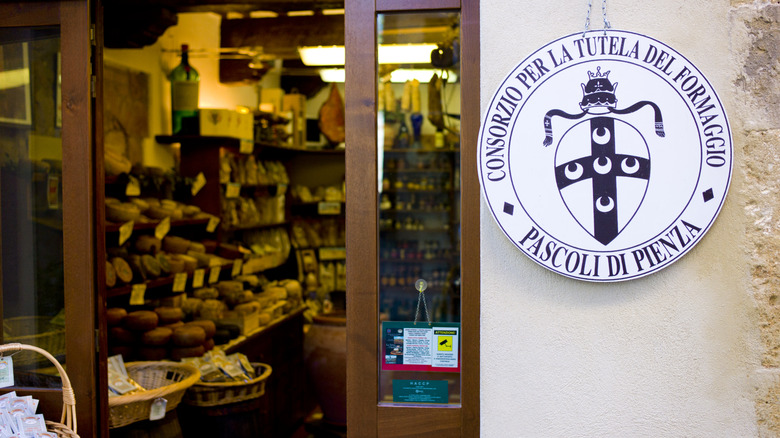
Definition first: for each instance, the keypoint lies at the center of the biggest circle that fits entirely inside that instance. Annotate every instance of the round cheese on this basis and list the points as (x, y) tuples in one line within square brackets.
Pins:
[(208, 326), (157, 337), (188, 336), (179, 353), (123, 270), (115, 315), (169, 315), (175, 244), (209, 344), (122, 336), (140, 320), (153, 353), (110, 275), (147, 244)]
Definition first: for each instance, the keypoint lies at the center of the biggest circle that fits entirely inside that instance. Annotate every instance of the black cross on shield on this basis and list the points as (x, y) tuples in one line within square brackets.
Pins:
[(604, 167)]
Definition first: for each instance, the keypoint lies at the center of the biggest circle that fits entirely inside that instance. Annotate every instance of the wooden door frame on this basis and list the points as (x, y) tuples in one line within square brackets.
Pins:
[(364, 417), (73, 17)]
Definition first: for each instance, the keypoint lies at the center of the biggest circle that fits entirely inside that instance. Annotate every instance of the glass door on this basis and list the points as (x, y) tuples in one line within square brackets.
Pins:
[(47, 256), (412, 99)]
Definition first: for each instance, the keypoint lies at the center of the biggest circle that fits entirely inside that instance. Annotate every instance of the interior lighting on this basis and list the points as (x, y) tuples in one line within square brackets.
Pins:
[(398, 76), (387, 54)]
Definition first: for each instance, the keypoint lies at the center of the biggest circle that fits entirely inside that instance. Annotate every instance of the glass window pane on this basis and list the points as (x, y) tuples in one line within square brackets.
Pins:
[(30, 200), (419, 208)]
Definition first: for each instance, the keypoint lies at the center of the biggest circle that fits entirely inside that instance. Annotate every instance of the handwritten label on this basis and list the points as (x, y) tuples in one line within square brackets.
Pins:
[(199, 183), (232, 190), (246, 146), (214, 274), (162, 228), (197, 278), (212, 225), (133, 187), (179, 282), (137, 294), (237, 263), (125, 231)]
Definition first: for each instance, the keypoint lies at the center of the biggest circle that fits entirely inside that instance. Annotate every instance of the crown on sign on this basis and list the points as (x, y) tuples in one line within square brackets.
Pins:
[(599, 91)]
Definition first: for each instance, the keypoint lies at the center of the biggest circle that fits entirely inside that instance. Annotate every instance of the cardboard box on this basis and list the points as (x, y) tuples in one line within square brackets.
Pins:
[(297, 104), (226, 123)]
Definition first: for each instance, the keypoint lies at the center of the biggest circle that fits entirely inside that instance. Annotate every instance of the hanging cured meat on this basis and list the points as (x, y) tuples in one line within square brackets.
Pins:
[(332, 117)]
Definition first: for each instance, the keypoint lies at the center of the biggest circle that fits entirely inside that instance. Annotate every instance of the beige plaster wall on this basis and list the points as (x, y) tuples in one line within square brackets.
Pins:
[(692, 350)]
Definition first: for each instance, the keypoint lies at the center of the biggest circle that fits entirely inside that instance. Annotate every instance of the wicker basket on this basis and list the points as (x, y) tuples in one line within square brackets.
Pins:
[(68, 425), (168, 380), (37, 331), (207, 394)]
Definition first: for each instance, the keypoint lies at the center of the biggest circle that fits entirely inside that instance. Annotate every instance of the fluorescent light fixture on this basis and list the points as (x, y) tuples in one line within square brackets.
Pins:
[(399, 76), (387, 54)]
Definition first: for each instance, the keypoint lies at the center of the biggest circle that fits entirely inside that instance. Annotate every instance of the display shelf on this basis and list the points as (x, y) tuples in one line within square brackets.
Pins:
[(420, 150), (232, 142), (417, 261), (113, 227), (256, 226), (415, 211), (415, 171), (158, 283), (318, 208)]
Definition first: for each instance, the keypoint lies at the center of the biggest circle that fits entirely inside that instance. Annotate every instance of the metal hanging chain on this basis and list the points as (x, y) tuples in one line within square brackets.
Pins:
[(607, 25), (421, 285)]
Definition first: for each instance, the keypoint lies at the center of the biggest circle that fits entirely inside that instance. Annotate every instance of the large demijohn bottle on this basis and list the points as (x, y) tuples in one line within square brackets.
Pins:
[(185, 82)]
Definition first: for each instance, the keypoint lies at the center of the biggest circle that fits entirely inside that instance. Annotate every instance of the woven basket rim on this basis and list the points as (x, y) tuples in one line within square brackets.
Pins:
[(151, 394), (216, 385)]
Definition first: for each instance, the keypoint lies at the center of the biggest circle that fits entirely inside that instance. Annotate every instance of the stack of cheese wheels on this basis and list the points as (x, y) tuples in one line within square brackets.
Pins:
[(157, 335)]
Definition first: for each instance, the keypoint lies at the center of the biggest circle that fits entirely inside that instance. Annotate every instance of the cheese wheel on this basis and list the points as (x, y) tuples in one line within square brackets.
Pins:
[(179, 353), (175, 244), (197, 247), (175, 325), (157, 337), (190, 263), (190, 210), (147, 244), (209, 344), (123, 270), (140, 320), (153, 353), (191, 306), (151, 266), (169, 315), (122, 336), (188, 336), (229, 287), (165, 265), (122, 212), (264, 318), (208, 326), (110, 275), (115, 315), (158, 212), (247, 308), (206, 293), (175, 264)]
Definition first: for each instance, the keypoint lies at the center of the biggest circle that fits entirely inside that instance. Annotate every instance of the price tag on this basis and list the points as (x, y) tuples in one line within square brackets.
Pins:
[(133, 186), (199, 183), (197, 278), (214, 274), (232, 190), (237, 263), (257, 249), (157, 410), (137, 294), (246, 146), (212, 225), (52, 193), (6, 372), (330, 208), (162, 228), (125, 231), (179, 282)]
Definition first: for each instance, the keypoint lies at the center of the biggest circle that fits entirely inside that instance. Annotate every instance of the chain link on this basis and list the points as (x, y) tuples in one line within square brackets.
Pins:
[(607, 25)]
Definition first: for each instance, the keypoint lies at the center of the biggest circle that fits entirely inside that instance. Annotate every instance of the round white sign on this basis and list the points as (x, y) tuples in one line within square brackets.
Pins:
[(605, 157)]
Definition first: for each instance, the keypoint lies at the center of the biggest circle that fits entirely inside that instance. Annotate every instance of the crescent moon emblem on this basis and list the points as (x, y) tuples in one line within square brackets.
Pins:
[(601, 139), (602, 169), (600, 206), (573, 171), (630, 168)]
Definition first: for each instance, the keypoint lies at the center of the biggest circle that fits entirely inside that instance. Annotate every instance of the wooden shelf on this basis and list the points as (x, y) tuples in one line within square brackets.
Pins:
[(235, 142), (415, 211), (113, 227), (257, 226)]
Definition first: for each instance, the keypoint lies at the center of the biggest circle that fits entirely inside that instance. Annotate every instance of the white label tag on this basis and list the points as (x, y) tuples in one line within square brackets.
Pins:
[(53, 194), (212, 225), (179, 282), (6, 372), (246, 146), (199, 183), (133, 187), (137, 294), (197, 278), (329, 208), (125, 231), (162, 228), (157, 410), (214, 274), (237, 263), (232, 190)]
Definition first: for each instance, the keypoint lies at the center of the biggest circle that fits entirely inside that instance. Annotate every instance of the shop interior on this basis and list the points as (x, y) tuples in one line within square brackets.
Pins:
[(221, 220)]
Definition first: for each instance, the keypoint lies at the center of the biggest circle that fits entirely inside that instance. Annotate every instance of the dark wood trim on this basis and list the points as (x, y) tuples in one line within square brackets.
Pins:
[(78, 209), (419, 422), (470, 226), (361, 219), (413, 5), (24, 14)]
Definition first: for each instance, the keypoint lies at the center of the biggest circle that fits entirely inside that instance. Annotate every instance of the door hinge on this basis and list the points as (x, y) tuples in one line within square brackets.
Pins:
[(92, 38)]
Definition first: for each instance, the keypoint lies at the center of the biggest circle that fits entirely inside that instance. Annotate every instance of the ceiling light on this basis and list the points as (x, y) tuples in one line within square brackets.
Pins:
[(387, 54), (398, 76)]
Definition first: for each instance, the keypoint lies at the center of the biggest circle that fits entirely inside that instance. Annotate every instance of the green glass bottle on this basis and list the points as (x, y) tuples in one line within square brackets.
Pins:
[(185, 82)]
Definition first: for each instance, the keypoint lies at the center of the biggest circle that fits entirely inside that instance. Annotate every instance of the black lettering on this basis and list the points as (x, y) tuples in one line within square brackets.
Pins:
[(518, 95), (535, 247), (555, 254), (569, 258), (501, 120), (639, 256), (585, 262), (634, 53), (500, 175), (655, 249), (693, 229), (613, 263), (497, 131), (494, 163), (548, 250), (494, 151), (532, 234), (683, 73), (498, 142)]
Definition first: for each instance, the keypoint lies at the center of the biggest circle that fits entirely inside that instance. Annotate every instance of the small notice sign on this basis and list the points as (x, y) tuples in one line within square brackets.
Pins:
[(197, 278), (161, 230), (420, 391), (179, 282), (199, 183), (137, 294), (214, 274), (125, 231), (421, 347), (232, 190)]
